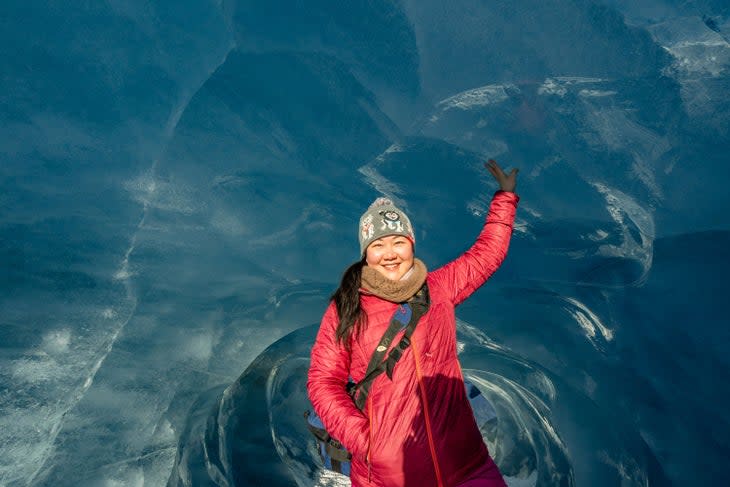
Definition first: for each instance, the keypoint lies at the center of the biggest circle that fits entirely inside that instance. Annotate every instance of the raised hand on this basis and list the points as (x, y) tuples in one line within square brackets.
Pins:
[(507, 182)]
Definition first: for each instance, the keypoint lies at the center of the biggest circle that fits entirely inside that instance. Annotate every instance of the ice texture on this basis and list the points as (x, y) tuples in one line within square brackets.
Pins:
[(180, 184)]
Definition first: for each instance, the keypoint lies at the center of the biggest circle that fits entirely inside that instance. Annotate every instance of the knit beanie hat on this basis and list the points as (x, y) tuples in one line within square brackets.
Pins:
[(381, 219)]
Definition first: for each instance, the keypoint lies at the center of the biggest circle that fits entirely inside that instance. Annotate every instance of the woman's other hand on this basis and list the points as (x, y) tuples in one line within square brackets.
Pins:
[(507, 182)]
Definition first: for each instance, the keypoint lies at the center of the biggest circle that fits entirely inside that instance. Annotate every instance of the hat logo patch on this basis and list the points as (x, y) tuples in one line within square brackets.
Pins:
[(391, 221)]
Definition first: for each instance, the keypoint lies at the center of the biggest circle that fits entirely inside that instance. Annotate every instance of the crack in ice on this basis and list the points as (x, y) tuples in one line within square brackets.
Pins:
[(123, 274)]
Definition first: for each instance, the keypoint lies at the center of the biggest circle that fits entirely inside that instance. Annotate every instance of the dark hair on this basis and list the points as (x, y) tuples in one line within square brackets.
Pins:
[(347, 301)]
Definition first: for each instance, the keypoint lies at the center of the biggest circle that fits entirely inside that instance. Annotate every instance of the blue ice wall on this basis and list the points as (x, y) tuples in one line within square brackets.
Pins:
[(180, 184)]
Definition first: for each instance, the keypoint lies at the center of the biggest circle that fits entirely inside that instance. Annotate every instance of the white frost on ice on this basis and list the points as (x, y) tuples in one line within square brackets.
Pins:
[(199, 347), (328, 478), (628, 469), (590, 385), (544, 383), (130, 477), (56, 341), (45, 363), (36, 370), (379, 182), (700, 55), (619, 133), (529, 481), (694, 46), (227, 223), (477, 207), (621, 206), (551, 87), (477, 335), (576, 80), (392, 149), (560, 85), (595, 93), (477, 97), (598, 235), (527, 208), (521, 226), (167, 195), (588, 321), (532, 405)]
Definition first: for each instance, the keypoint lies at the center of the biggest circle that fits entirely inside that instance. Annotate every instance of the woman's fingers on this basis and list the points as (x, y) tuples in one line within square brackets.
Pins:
[(493, 167), (506, 181)]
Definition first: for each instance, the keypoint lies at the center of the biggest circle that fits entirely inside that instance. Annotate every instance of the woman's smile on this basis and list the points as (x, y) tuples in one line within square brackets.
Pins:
[(392, 256)]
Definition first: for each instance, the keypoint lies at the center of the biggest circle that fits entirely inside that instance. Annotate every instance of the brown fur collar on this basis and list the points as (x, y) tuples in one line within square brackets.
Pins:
[(394, 291)]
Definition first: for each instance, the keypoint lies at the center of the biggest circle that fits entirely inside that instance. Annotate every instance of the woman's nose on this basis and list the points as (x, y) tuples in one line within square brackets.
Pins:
[(389, 253)]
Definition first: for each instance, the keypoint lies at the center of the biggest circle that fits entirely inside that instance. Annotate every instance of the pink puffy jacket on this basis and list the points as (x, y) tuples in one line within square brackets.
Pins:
[(417, 429)]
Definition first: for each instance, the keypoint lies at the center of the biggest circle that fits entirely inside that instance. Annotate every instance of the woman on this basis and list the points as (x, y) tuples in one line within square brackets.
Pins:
[(417, 429)]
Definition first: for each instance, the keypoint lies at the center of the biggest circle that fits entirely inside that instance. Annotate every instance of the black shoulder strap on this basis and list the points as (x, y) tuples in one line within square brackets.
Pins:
[(406, 316)]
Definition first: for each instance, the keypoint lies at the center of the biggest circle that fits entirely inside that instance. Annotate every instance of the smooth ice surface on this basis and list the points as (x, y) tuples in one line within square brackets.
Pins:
[(180, 184)]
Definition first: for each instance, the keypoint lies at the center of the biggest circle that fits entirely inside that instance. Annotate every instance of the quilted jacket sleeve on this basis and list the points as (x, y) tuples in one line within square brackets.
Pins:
[(464, 275), (328, 374)]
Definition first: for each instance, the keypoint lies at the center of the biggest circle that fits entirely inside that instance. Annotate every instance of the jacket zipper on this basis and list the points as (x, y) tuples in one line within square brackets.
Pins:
[(370, 444), (431, 444)]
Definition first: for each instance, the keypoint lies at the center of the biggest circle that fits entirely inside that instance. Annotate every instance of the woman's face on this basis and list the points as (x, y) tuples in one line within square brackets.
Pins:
[(392, 256)]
